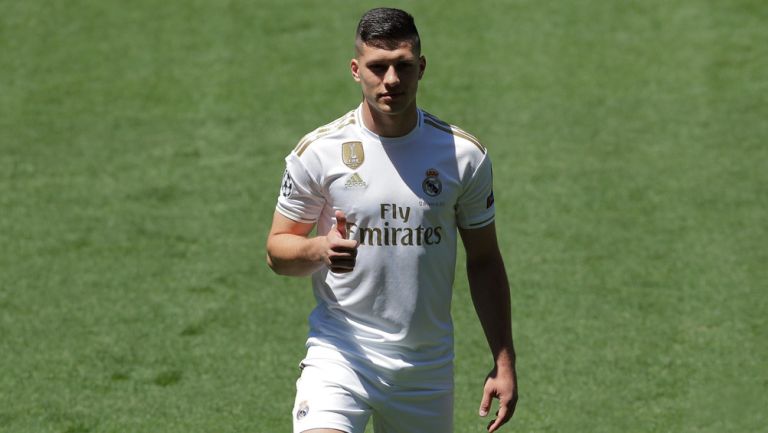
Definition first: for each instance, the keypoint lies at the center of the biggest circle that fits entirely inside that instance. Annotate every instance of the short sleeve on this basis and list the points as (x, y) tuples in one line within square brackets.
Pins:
[(475, 207), (301, 199)]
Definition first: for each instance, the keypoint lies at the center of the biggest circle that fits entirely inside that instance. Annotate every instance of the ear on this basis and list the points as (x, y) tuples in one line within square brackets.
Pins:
[(354, 67), (422, 66)]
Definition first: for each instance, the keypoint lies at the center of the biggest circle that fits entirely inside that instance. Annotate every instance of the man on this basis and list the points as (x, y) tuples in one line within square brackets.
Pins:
[(388, 186)]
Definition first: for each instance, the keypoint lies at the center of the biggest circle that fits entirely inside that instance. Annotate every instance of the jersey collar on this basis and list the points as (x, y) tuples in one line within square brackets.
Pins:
[(370, 134)]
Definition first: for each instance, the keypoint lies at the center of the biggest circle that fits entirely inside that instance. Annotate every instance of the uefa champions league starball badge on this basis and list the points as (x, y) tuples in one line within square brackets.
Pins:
[(432, 185), (286, 187)]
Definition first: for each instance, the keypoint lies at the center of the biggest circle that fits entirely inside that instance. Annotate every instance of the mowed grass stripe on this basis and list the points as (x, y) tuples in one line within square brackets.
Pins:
[(141, 151)]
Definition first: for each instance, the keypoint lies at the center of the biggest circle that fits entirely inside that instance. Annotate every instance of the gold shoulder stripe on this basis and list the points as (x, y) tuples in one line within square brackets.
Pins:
[(318, 136), (315, 135), (301, 143), (470, 138), (323, 129), (466, 134), (430, 120)]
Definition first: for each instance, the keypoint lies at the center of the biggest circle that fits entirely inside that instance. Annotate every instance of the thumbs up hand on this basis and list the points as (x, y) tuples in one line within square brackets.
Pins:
[(341, 224), (341, 253)]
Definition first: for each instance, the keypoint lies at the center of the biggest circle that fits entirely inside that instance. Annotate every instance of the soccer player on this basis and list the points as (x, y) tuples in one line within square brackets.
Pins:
[(389, 186)]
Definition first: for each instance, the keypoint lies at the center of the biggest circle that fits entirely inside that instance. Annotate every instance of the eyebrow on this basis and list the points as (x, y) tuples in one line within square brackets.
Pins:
[(388, 61)]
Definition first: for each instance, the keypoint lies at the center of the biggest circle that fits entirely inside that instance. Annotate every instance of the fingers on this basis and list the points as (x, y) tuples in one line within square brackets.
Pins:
[(341, 223), (342, 252), (338, 236), (342, 258), (485, 403), (507, 396), (502, 416), (342, 269)]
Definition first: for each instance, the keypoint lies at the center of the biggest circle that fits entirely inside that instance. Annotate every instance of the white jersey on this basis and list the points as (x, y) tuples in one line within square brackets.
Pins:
[(404, 198)]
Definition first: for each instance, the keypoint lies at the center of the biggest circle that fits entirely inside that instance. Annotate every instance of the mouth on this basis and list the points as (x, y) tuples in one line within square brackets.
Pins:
[(389, 96)]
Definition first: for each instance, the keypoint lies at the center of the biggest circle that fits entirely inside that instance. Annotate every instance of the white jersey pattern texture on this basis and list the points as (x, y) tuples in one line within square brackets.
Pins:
[(404, 198)]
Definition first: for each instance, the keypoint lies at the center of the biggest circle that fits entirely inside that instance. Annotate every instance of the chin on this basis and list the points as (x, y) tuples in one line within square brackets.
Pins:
[(391, 109)]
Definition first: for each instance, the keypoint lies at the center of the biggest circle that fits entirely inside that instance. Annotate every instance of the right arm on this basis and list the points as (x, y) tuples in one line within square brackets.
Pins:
[(290, 250)]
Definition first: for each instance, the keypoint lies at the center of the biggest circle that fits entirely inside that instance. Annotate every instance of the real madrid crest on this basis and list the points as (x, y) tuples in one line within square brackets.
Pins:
[(352, 154), (432, 185)]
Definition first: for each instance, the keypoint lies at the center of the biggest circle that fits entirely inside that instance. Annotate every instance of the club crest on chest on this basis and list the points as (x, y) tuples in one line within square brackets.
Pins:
[(432, 185)]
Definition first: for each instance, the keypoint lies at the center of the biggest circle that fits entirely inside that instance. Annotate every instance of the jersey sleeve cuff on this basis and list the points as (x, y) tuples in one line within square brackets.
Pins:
[(476, 225), (293, 215)]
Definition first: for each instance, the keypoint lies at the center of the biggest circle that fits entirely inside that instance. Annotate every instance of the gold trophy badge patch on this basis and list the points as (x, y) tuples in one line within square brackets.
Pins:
[(352, 154)]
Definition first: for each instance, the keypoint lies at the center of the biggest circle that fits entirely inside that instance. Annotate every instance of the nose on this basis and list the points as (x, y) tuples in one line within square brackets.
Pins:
[(391, 79)]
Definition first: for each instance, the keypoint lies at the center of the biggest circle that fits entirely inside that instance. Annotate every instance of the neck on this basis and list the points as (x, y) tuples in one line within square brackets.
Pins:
[(390, 125)]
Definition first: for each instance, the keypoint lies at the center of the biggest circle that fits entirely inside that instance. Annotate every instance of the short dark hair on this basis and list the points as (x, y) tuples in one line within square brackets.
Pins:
[(387, 28)]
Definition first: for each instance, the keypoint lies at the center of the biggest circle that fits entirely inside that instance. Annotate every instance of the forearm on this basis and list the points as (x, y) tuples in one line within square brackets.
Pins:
[(294, 255), (490, 294)]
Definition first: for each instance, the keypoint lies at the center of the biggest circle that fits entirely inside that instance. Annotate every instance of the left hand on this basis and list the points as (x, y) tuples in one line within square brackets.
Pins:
[(501, 384)]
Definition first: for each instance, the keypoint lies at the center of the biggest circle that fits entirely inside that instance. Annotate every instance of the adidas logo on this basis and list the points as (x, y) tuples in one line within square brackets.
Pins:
[(355, 181)]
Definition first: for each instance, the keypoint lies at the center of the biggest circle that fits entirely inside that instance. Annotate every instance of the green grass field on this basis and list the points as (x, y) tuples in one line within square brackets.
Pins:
[(141, 148)]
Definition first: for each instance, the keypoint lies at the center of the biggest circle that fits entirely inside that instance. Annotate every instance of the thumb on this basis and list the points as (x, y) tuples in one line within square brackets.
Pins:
[(485, 403), (341, 223)]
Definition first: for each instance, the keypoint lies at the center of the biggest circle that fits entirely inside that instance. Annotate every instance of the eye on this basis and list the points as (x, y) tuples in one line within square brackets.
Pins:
[(378, 68), (405, 67)]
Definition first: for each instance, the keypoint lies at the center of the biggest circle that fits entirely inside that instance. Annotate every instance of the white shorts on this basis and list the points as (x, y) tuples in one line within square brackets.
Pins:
[(330, 394)]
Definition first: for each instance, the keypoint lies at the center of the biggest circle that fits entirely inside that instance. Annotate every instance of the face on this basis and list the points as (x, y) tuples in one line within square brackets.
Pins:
[(389, 78)]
